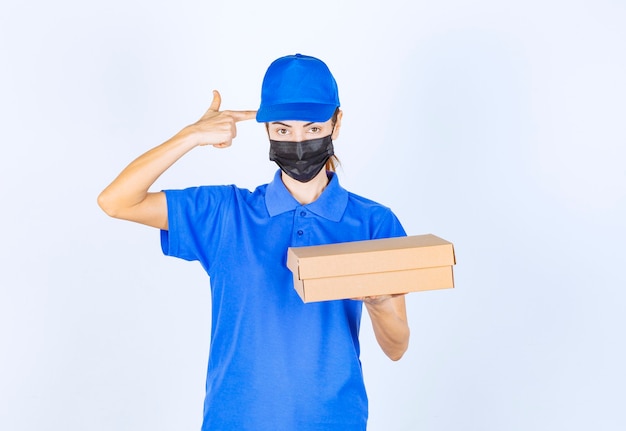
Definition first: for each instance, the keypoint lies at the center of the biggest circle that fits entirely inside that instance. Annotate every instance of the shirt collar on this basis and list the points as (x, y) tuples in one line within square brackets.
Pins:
[(331, 204)]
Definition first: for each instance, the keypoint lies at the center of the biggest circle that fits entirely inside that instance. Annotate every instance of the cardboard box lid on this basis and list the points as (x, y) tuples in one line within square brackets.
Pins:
[(371, 256)]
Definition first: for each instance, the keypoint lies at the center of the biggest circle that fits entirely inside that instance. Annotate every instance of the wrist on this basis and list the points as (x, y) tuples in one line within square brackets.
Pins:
[(378, 304), (188, 137)]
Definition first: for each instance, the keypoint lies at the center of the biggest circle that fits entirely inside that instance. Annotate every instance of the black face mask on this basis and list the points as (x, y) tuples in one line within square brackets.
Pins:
[(302, 161)]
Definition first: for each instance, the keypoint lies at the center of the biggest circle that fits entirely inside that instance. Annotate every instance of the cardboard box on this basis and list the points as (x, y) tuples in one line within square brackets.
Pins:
[(374, 267)]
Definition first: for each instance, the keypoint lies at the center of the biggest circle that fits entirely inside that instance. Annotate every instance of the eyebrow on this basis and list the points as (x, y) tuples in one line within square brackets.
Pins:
[(287, 125)]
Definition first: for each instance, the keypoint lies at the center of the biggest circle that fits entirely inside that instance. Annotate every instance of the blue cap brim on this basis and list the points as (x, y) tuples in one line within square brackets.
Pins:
[(315, 112)]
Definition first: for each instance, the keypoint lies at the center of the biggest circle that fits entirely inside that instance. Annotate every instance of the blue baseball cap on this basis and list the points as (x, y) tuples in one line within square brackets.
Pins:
[(298, 87)]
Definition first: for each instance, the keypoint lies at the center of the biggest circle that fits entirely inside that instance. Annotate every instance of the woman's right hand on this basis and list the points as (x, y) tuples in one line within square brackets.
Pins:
[(215, 127)]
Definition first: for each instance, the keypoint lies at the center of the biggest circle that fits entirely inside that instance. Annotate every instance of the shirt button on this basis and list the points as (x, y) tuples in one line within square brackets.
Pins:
[(300, 233), (302, 213)]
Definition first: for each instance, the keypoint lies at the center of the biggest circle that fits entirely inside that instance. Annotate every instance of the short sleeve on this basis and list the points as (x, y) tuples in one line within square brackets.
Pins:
[(194, 218)]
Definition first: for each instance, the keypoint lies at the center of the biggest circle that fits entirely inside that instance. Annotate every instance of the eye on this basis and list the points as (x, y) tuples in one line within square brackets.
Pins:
[(282, 132), (315, 129)]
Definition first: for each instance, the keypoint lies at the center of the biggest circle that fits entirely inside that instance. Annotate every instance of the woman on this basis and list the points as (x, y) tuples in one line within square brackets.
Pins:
[(275, 363)]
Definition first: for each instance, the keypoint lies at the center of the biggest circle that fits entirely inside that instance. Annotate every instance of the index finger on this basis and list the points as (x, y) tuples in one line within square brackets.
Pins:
[(242, 115)]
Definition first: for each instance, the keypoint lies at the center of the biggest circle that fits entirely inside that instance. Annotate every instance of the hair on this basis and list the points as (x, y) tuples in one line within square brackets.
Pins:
[(333, 162)]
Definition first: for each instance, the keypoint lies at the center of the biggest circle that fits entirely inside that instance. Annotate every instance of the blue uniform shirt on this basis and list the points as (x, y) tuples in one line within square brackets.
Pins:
[(275, 363)]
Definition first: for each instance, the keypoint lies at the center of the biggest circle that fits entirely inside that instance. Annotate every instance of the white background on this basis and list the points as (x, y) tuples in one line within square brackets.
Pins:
[(499, 126)]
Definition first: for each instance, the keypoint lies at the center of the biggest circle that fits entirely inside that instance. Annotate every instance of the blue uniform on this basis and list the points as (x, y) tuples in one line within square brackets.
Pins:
[(275, 363)]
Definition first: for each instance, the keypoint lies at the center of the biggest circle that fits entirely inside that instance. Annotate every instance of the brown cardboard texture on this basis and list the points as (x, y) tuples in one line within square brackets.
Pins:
[(373, 267)]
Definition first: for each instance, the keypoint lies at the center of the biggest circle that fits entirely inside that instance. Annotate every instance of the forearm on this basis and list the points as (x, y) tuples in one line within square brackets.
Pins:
[(389, 321), (132, 185)]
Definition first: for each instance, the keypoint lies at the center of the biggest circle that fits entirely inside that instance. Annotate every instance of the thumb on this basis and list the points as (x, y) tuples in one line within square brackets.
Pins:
[(215, 106), (216, 102)]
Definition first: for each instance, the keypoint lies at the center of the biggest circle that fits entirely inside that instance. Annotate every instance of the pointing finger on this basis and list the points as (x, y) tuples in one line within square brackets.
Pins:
[(242, 115)]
